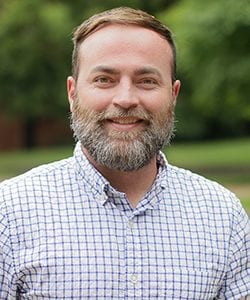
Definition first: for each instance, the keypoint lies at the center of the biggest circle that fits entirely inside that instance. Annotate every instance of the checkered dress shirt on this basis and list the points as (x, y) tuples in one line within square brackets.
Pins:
[(65, 233)]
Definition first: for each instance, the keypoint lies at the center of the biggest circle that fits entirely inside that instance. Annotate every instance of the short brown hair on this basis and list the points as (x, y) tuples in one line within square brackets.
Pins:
[(120, 15)]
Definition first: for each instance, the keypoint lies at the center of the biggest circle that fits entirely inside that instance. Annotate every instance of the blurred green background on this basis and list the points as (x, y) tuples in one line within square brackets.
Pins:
[(213, 59)]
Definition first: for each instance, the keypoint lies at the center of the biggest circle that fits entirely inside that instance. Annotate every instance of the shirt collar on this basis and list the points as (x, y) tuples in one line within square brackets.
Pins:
[(162, 164), (99, 185), (88, 174)]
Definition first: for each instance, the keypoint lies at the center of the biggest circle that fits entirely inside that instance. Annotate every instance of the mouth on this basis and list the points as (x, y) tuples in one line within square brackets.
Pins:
[(125, 120), (124, 123)]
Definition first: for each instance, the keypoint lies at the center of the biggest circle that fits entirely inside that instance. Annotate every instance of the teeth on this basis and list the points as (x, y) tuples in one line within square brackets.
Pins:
[(127, 120)]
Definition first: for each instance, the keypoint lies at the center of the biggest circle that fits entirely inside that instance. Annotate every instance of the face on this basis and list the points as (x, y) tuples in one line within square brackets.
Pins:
[(123, 100)]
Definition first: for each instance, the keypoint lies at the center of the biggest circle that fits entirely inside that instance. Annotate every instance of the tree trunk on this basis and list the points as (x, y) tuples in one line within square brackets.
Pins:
[(30, 133)]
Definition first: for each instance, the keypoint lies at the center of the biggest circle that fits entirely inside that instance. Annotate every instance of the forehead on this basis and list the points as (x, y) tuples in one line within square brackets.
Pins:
[(120, 41)]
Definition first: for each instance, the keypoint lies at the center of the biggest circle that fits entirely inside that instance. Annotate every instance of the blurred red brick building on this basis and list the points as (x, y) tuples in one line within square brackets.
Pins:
[(46, 133)]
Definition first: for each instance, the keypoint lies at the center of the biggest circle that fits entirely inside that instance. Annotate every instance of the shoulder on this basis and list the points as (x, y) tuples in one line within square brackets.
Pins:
[(38, 179), (187, 183), (199, 192), (208, 204), (194, 183)]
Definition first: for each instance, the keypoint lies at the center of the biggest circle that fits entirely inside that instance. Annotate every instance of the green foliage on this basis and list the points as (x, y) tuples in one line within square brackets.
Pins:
[(213, 40), (33, 69)]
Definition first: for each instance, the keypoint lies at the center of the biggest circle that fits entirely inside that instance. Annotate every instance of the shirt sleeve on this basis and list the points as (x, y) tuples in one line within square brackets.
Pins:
[(237, 281), (7, 289)]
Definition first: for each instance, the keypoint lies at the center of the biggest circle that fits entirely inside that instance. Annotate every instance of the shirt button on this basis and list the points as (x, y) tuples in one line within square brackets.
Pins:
[(103, 198), (131, 224), (133, 278)]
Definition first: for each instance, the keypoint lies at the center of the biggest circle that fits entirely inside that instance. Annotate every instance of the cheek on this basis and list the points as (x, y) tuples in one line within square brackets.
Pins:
[(158, 104), (158, 100), (95, 100)]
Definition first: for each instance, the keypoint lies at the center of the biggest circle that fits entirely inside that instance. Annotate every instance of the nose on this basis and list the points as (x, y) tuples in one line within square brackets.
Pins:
[(125, 96)]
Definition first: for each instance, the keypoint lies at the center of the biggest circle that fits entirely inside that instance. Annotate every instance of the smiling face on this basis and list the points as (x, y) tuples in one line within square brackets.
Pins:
[(123, 99)]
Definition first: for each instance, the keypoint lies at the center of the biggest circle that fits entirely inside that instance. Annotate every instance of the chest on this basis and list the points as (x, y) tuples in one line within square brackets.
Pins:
[(105, 254)]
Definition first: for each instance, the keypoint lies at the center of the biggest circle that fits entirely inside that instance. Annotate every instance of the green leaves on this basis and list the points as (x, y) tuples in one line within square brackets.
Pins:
[(213, 41), (35, 41)]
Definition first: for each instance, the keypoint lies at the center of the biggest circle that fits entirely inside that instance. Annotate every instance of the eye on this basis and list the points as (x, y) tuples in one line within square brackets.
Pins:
[(148, 83), (103, 81)]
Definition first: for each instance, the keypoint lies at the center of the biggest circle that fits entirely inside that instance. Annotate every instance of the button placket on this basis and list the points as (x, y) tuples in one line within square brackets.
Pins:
[(133, 257)]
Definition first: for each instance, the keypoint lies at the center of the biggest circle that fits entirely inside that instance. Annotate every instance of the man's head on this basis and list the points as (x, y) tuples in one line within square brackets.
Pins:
[(125, 16), (123, 92)]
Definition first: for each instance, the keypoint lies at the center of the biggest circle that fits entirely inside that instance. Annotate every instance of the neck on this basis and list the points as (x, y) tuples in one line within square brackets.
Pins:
[(135, 184)]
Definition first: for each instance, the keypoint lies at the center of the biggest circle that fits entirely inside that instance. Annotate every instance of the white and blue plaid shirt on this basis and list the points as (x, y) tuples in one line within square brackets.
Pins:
[(65, 233)]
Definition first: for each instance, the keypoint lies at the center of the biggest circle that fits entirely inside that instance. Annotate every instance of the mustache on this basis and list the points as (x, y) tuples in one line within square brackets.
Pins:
[(119, 112), (114, 112)]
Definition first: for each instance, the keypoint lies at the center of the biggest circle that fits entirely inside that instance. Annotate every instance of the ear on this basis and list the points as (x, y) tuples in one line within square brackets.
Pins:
[(71, 88), (176, 89)]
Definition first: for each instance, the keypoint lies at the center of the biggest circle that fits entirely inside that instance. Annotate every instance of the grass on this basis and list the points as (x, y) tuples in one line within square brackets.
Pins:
[(246, 204), (216, 153), (227, 162), (16, 162)]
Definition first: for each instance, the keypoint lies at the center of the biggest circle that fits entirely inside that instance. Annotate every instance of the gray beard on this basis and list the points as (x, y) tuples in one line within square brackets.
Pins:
[(122, 151)]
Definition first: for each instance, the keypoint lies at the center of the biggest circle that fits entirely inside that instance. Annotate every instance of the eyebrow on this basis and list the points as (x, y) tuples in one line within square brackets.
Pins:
[(105, 69), (148, 70)]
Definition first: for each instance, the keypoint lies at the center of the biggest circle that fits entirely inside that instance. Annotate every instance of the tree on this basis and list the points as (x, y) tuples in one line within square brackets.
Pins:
[(33, 68), (213, 40)]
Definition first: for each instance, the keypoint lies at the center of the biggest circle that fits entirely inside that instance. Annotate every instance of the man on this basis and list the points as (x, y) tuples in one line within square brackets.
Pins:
[(116, 221)]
